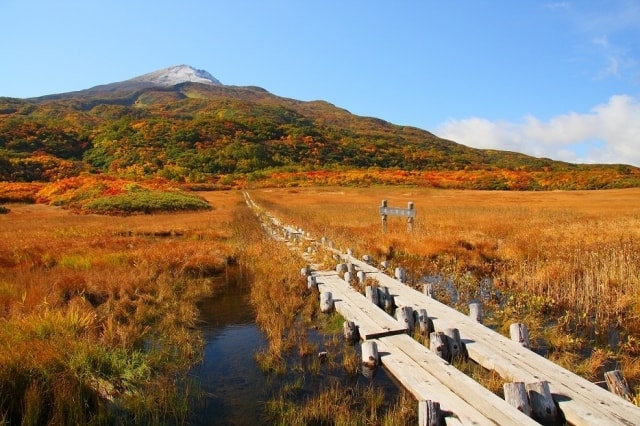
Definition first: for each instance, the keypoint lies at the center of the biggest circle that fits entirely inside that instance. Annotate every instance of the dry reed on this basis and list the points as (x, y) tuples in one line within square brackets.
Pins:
[(97, 313), (566, 263)]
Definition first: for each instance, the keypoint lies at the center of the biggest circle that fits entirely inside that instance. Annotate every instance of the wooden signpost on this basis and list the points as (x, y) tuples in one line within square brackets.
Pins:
[(409, 213)]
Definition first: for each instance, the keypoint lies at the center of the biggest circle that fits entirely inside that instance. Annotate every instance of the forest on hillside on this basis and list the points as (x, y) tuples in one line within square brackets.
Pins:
[(195, 134)]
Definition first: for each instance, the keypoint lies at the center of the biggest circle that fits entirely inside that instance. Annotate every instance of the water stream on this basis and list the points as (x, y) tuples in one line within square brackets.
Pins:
[(234, 389), (233, 386)]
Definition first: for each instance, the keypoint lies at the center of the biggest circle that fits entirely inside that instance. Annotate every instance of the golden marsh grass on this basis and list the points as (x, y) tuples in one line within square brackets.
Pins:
[(97, 311), (565, 263)]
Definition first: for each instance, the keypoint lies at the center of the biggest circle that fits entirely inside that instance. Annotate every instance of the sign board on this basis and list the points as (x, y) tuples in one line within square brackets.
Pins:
[(409, 213), (395, 211)]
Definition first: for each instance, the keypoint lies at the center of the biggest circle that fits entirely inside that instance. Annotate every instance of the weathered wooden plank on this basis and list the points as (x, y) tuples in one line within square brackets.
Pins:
[(581, 401), (415, 370), (424, 386), (371, 320), (489, 405)]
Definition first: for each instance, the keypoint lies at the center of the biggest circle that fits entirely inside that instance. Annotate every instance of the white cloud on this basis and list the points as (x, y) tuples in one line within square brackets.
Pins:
[(609, 133)]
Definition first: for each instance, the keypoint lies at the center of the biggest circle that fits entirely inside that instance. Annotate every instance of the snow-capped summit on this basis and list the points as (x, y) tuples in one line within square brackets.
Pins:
[(176, 75)]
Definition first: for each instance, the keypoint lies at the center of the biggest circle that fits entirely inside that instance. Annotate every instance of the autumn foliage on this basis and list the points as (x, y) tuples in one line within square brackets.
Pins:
[(246, 136)]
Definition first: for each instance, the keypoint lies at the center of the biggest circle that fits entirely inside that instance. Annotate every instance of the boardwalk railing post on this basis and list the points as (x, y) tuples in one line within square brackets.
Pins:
[(617, 384), (370, 358), (516, 394), (519, 333), (543, 408), (429, 413), (347, 277), (361, 276)]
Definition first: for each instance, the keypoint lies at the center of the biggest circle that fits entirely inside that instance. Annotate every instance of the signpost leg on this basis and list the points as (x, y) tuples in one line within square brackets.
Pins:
[(410, 219)]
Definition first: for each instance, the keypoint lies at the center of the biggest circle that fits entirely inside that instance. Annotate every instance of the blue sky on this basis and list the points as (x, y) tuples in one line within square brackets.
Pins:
[(550, 79)]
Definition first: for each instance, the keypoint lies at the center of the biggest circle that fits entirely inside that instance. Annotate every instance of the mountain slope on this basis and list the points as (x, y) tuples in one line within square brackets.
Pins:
[(183, 124)]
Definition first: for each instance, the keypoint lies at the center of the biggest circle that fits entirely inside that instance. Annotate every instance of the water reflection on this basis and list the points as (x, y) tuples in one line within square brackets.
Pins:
[(234, 389), (233, 386)]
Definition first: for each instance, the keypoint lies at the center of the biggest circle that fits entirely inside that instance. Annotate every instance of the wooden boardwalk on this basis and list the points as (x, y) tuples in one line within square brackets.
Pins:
[(424, 374), (581, 402), (428, 377)]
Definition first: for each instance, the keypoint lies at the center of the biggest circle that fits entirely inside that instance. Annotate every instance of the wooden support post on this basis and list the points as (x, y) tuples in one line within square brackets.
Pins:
[(410, 218), (372, 294), (404, 315), (400, 274), (475, 311), (439, 345), (305, 271), (519, 333), (326, 302), (341, 268), (456, 347), (429, 413), (370, 358), (427, 289), (348, 277), (351, 268), (386, 300), (312, 283), (384, 216), (424, 322), (361, 276), (618, 384), (543, 408), (516, 394), (351, 332), (366, 259)]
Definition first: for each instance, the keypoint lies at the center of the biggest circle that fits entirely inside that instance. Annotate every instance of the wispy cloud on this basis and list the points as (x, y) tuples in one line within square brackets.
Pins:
[(609, 32), (608, 133)]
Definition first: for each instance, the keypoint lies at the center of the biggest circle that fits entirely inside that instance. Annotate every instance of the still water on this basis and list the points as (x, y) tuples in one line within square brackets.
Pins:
[(234, 389)]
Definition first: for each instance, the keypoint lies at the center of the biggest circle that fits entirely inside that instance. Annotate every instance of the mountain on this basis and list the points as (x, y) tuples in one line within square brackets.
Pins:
[(181, 123), (176, 75)]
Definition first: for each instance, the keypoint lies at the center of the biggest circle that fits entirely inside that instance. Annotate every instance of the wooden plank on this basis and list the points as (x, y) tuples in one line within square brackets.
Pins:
[(424, 386), (489, 405), (581, 401), (370, 319), (414, 365)]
